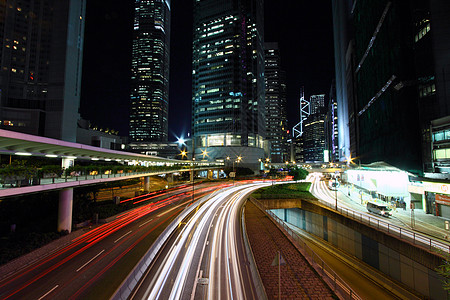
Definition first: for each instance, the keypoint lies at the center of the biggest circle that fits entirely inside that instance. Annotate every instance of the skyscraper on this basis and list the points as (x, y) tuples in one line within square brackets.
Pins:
[(41, 46), (314, 130), (228, 82), (150, 71), (331, 127), (342, 31), (317, 103), (392, 77), (276, 120)]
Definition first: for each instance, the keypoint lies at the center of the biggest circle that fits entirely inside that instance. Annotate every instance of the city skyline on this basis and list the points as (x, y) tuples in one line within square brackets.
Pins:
[(307, 63)]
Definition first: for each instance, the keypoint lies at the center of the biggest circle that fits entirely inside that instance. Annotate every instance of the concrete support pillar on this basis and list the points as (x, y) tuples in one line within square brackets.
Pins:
[(169, 178), (192, 175), (209, 174), (65, 210), (147, 184)]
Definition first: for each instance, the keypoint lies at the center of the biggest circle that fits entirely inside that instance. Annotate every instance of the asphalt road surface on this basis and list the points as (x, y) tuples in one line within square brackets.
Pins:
[(205, 258), (93, 265)]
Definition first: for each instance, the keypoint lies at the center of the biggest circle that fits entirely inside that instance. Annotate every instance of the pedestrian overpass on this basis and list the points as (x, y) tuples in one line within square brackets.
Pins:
[(20, 144)]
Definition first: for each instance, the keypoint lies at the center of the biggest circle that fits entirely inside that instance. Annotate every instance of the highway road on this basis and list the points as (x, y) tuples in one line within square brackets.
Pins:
[(205, 258), (93, 265)]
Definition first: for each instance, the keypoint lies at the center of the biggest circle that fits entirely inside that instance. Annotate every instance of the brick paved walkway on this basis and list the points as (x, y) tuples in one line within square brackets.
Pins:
[(298, 279)]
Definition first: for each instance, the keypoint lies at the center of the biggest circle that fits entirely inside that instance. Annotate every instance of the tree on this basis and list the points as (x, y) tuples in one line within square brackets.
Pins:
[(444, 271), (298, 173)]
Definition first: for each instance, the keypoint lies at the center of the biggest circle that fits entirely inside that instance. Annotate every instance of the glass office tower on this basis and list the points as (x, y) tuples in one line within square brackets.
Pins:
[(41, 58), (276, 120), (228, 83), (150, 72)]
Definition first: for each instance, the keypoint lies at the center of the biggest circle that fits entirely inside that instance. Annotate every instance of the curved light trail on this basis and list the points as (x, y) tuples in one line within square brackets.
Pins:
[(211, 240), (320, 190), (98, 249)]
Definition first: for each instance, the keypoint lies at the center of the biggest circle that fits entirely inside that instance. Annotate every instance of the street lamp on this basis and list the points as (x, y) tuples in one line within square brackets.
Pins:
[(204, 153), (193, 181), (237, 161), (183, 153), (335, 189)]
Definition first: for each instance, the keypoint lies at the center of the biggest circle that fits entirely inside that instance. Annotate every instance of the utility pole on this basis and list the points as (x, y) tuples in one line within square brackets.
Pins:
[(335, 189), (193, 178)]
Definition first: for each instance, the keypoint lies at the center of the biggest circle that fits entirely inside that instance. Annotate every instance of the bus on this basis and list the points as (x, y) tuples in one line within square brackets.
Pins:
[(380, 209)]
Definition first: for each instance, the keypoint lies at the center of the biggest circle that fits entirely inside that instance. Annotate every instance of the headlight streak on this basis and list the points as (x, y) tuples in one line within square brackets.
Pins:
[(225, 228), (172, 275), (91, 238), (203, 215)]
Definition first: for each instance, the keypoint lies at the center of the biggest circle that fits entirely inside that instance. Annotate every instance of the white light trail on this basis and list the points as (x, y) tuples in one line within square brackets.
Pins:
[(179, 260)]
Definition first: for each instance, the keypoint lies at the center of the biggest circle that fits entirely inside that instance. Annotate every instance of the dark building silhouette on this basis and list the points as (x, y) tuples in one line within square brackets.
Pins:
[(150, 72), (392, 78), (41, 44)]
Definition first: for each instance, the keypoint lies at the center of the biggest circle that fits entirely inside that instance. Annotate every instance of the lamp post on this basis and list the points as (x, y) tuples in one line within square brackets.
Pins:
[(335, 189), (237, 161), (193, 178)]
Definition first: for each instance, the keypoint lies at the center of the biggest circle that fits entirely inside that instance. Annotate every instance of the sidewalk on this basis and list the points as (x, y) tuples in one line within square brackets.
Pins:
[(28, 259), (298, 278), (420, 222)]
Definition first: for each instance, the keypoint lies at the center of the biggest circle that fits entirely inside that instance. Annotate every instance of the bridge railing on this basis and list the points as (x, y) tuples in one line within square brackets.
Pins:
[(408, 235), (336, 283), (22, 181)]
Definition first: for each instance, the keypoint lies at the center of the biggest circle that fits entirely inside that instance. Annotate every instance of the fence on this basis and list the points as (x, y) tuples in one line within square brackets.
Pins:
[(410, 236)]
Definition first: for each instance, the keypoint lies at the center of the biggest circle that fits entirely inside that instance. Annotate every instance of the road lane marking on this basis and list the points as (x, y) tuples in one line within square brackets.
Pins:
[(122, 236), (90, 260), (48, 292), (162, 214), (145, 222)]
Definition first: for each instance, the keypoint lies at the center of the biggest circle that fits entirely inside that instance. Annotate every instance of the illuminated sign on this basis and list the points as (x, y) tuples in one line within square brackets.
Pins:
[(436, 187)]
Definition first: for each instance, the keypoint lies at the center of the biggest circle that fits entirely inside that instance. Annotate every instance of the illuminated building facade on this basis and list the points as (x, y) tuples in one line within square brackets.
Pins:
[(314, 131), (331, 127), (276, 120), (41, 46), (228, 83), (150, 72)]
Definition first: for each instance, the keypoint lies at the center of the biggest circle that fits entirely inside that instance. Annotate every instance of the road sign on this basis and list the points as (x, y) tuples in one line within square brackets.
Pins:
[(232, 174)]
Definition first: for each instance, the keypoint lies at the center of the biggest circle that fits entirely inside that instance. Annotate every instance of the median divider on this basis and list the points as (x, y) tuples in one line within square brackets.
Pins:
[(260, 290), (130, 283)]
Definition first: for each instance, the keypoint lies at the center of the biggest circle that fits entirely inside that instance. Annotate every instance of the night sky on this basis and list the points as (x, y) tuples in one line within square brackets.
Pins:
[(302, 28)]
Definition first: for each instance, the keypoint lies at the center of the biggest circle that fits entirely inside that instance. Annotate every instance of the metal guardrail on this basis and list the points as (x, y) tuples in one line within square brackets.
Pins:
[(336, 283), (410, 236)]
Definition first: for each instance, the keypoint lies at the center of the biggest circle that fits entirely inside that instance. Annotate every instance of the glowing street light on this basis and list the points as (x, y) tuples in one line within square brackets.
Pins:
[(204, 153), (183, 153), (181, 141)]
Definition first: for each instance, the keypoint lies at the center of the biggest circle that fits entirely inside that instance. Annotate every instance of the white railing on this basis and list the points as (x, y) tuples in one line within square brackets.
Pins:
[(410, 236)]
